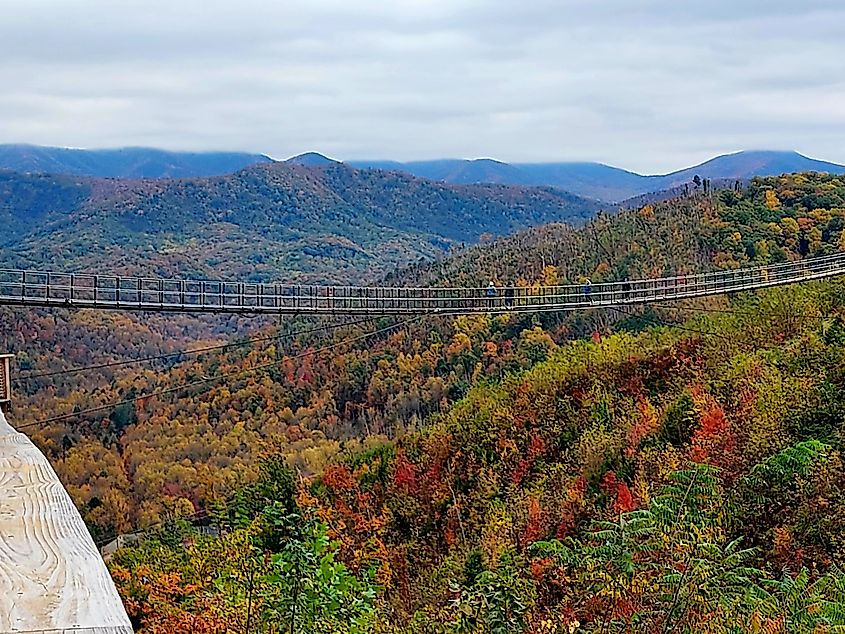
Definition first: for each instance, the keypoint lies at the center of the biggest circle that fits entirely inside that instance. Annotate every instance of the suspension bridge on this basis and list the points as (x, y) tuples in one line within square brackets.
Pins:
[(115, 292), (51, 576)]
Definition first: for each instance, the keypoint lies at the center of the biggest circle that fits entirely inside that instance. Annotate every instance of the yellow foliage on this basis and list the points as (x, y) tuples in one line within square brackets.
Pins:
[(790, 225), (460, 343), (550, 276), (497, 533), (772, 201), (471, 325)]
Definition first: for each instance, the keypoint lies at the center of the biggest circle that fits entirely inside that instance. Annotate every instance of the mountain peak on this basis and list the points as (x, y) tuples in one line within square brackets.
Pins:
[(749, 163), (487, 161), (311, 159)]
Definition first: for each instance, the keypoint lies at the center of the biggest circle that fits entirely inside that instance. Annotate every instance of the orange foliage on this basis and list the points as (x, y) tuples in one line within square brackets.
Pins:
[(404, 475), (714, 441), (646, 424), (338, 478), (535, 528), (535, 449)]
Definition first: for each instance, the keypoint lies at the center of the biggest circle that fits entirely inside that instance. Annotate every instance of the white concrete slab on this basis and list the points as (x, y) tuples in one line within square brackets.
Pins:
[(52, 578)]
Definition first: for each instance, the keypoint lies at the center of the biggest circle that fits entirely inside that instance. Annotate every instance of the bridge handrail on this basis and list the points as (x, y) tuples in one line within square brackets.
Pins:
[(51, 288), (637, 281)]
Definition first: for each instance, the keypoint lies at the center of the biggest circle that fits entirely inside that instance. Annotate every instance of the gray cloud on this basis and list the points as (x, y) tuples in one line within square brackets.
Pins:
[(649, 85)]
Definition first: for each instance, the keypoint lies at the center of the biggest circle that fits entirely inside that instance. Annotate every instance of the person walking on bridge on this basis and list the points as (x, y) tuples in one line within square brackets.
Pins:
[(491, 294), (588, 289)]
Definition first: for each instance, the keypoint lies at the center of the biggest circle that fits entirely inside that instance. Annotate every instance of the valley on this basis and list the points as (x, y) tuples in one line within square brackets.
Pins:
[(422, 317), (448, 457)]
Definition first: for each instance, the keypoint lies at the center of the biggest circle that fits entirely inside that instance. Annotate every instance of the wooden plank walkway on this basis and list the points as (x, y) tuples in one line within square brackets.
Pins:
[(52, 578)]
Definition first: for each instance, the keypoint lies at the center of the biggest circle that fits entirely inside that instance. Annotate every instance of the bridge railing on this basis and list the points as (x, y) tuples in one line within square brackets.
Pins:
[(41, 288)]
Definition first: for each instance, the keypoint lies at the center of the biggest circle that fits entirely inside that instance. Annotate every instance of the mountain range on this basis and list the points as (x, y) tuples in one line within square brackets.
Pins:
[(123, 162), (590, 180), (273, 221), (605, 183)]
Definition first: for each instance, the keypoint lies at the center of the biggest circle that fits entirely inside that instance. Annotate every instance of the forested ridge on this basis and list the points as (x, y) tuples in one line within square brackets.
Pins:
[(478, 474), (123, 162), (270, 222)]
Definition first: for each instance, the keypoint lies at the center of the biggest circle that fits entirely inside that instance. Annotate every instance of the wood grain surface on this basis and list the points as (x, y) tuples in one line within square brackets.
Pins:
[(52, 578)]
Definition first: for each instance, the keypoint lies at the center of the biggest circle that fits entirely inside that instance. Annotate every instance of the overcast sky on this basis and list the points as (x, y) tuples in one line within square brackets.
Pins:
[(649, 85)]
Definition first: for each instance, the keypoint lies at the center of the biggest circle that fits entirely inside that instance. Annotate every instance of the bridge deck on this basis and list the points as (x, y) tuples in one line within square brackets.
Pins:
[(52, 578), (86, 290)]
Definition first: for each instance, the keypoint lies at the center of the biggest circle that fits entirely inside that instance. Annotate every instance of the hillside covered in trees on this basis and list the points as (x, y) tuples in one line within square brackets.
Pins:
[(535, 474), (382, 385), (680, 480), (770, 220), (270, 222)]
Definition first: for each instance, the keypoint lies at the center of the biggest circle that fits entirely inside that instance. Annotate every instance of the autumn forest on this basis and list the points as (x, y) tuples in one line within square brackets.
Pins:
[(670, 468)]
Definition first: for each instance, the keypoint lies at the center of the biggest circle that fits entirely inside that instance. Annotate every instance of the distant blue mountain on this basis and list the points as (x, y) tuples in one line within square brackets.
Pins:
[(589, 180), (743, 165), (123, 162), (312, 159), (460, 172), (603, 182)]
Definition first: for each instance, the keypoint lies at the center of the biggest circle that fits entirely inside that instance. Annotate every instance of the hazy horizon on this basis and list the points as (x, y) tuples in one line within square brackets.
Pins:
[(420, 160), (648, 86)]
